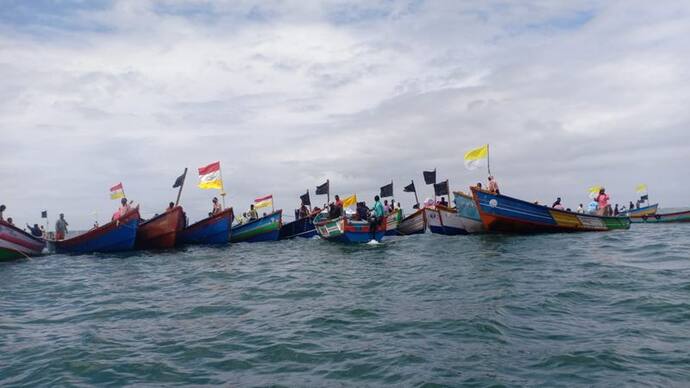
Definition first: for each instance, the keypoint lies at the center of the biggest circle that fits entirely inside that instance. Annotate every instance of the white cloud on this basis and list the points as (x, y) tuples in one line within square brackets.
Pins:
[(287, 94)]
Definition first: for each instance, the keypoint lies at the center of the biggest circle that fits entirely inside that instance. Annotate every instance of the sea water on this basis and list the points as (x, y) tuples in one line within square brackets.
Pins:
[(559, 310)]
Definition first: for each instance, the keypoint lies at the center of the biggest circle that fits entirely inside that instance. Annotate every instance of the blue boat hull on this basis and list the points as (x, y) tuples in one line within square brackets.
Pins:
[(217, 232), (357, 237), (447, 230), (303, 227), (120, 239)]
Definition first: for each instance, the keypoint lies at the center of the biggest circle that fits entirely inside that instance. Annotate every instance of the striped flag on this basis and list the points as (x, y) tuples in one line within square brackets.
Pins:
[(117, 191), (263, 201), (209, 177)]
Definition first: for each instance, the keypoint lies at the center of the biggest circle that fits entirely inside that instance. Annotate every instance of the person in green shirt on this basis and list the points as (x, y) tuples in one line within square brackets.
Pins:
[(377, 216)]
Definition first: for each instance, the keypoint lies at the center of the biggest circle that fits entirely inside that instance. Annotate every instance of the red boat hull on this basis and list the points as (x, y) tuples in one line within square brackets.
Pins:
[(160, 232)]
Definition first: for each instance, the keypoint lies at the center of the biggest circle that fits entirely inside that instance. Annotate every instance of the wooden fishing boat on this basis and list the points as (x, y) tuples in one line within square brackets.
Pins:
[(266, 228), (468, 213), (116, 236), (683, 216), (302, 227), (415, 223), (444, 220), (345, 230), (500, 213), (16, 243), (160, 232), (214, 229), (393, 222), (642, 211)]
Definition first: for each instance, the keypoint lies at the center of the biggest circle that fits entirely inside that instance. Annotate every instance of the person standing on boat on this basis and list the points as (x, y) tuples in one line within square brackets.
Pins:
[(580, 209), (493, 185), (443, 202), (631, 206), (303, 212), (61, 227), (603, 201), (376, 217), (615, 210), (557, 205), (252, 214), (217, 208), (2, 210)]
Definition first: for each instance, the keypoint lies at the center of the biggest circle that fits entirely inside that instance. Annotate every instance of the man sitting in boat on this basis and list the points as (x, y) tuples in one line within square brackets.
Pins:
[(252, 214), (557, 205), (217, 208), (303, 212), (443, 202), (493, 185), (10, 221), (61, 227), (35, 230), (170, 208), (592, 207)]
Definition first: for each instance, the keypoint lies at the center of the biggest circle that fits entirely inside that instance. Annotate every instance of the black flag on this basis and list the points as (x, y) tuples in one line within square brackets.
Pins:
[(44, 214), (305, 199), (644, 198), (410, 188), (180, 180), (323, 189), (430, 177), (387, 190), (441, 188)]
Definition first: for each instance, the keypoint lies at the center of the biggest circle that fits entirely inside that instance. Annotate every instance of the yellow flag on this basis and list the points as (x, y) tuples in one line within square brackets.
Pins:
[(641, 188), (349, 201), (593, 191), (474, 158)]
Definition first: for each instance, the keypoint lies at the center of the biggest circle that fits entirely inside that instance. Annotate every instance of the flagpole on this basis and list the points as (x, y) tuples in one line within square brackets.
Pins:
[(416, 198), (272, 208), (222, 185), (448, 190), (488, 159), (179, 192), (328, 193)]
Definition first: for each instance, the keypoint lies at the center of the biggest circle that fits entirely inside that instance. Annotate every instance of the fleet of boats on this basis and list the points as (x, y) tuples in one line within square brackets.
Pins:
[(482, 211)]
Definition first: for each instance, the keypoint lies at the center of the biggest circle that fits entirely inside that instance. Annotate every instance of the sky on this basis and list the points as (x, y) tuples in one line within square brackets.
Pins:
[(286, 94)]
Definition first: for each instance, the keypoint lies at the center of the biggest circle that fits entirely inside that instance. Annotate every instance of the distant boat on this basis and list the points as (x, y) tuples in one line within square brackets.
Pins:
[(302, 227), (214, 229), (500, 213), (392, 222), (415, 223), (683, 216), (115, 236), (16, 243), (344, 230), (642, 211), (444, 220), (160, 232), (468, 213), (266, 228)]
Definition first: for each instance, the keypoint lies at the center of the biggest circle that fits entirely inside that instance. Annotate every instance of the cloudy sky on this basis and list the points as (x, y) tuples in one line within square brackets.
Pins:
[(289, 93)]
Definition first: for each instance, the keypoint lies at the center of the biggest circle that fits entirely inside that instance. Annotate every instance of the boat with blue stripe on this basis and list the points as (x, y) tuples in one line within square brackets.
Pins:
[(266, 228), (500, 213), (345, 230)]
